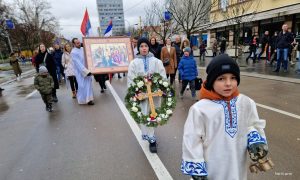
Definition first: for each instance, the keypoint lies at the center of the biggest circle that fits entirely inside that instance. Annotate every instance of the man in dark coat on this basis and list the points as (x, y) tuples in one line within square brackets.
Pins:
[(283, 44)]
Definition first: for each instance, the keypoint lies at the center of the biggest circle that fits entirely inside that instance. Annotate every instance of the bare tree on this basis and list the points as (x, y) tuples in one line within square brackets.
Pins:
[(4, 14), (155, 18), (191, 15), (239, 13), (35, 19)]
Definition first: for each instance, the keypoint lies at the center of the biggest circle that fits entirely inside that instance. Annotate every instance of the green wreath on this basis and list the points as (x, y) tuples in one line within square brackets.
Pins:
[(139, 89)]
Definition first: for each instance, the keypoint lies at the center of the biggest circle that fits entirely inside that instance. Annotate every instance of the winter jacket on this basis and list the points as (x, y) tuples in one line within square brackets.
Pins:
[(50, 65), (154, 49), (165, 54), (44, 84), (57, 55), (284, 40), (188, 68), (14, 62)]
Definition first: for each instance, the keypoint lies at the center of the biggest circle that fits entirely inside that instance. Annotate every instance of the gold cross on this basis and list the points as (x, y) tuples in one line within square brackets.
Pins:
[(150, 96)]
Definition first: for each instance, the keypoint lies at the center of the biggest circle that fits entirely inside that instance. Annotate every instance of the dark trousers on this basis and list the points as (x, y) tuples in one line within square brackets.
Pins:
[(214, 54), (73, 83), (47, 98), (172, 78), (254, 56), (101, 79), (192, 87)]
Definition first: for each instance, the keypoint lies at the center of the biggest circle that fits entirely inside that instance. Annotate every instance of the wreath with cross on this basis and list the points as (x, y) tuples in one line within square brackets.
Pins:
[(147, 87)]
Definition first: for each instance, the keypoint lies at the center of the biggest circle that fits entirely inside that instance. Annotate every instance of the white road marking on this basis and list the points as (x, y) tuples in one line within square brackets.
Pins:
[(158, 167), (31, 94), (278, 111)]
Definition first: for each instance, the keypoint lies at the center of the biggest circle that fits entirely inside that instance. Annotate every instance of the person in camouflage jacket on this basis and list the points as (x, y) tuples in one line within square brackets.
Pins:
[(43, 82)]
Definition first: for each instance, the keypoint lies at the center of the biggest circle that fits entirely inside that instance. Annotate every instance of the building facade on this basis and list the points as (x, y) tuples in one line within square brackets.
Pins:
[(252, 17), (111, 10)]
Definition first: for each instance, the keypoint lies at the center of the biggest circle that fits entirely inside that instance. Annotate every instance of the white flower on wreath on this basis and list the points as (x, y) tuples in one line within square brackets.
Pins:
[(169, 111), (165, 84), (148, 119), (166, 116), (160, 82), (162, 115), (169, 99), (155, 80), (136, 89), (134, 109), (134, 104), (139, 114), (169, 104), (140, 84), (134, 98), (158, 119)]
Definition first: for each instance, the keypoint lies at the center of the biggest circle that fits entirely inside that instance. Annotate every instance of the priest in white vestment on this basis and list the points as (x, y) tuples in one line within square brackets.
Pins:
[(83, 75)]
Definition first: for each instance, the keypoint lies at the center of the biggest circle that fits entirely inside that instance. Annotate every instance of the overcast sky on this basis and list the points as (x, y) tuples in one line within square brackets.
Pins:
[(70, 14)]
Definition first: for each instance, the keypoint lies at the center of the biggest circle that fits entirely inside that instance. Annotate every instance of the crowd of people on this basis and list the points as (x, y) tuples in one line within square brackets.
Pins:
[(214, 113)]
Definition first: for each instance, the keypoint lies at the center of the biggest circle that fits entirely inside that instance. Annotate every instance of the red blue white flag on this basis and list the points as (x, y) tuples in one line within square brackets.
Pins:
[(108, 31), (86, 27)]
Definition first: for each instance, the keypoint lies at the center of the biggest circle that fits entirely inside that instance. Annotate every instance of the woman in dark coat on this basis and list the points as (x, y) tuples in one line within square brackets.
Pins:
[(154, 48), (43, 57)]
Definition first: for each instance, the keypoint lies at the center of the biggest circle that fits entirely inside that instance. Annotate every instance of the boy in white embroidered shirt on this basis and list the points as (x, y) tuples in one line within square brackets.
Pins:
[(221, 127)]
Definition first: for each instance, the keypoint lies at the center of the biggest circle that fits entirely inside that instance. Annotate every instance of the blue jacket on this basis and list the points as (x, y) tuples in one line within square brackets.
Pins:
[(188, 68)]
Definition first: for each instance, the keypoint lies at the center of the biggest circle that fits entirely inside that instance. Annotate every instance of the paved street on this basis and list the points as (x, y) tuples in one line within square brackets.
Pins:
[(83, 142)]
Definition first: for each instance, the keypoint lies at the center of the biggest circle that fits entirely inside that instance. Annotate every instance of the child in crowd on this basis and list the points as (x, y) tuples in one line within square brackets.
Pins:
[(43, 82), (188, 72), (222, 126)]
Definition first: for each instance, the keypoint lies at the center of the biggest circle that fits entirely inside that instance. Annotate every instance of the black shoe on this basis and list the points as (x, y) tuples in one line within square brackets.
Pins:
[(1, 89), (91, 103), (54, 98), (119, 77), (102, 91), (50, 109), (152, 147), (276, 70)]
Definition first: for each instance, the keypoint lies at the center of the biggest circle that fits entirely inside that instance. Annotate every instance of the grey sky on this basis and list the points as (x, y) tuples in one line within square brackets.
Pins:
[(70, 14)]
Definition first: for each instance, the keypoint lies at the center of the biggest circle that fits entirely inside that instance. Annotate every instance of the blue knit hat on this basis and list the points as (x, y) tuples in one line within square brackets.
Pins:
[(187, 49)]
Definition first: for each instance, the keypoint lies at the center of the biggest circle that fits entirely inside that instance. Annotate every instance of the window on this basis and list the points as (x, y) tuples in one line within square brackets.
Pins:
[(223, 4)]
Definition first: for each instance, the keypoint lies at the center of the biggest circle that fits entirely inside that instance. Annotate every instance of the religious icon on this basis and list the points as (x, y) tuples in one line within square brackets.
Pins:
[(107, 55)]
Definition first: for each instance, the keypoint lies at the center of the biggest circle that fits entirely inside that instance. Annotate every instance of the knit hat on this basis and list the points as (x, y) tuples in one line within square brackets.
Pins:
[(187, 49), (43, 70), (221, 64), (140, 41)]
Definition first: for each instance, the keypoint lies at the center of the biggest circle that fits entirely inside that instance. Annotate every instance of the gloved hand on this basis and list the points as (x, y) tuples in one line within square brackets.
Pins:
[(199, 177), (89, 74), (258, 151)]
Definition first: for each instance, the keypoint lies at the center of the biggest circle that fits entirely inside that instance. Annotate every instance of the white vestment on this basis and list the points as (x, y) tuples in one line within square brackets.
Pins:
[(216, 136), (85, 90), (141, 66)]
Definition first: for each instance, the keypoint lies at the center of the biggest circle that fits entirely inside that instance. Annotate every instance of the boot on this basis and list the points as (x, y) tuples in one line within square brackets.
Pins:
[(73, 94), (152, 147), (47, 107), (50, 109), (55, 98)]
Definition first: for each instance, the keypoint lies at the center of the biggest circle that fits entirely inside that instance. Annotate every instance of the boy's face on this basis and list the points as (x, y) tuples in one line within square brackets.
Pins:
[(225, 85), (144, 49), (186, 53)]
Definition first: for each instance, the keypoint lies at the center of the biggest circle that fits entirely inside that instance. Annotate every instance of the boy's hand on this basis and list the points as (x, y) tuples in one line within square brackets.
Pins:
[(258, 151)]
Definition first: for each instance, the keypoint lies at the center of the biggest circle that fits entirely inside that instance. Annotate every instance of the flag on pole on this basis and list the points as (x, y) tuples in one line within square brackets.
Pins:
[(108, 31), (86, 27)]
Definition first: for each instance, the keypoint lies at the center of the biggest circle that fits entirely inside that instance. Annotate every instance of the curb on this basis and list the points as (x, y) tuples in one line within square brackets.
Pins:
[(24, 75), (263, 76)]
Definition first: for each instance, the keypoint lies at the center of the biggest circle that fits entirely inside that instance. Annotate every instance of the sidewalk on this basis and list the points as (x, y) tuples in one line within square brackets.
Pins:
[(259, 69), (7, 77)]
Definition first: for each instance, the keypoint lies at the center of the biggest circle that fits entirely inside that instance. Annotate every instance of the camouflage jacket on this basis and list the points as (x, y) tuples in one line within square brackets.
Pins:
[(44, 84)]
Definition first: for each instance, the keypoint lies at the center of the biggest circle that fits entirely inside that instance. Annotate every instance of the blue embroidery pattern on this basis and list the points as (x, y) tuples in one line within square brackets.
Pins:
[(191, 168), (254, 137), (146, 64), (230, 129)]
